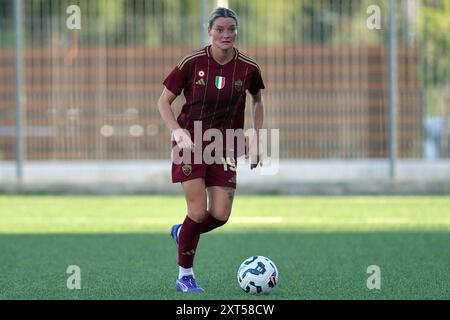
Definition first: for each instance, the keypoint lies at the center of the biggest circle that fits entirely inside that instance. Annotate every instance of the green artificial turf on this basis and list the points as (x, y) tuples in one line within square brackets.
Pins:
[(322, 247)]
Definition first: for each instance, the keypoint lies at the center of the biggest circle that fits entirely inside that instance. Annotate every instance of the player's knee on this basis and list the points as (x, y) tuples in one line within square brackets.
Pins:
[(196, 209), (221, 214), (198, 215)]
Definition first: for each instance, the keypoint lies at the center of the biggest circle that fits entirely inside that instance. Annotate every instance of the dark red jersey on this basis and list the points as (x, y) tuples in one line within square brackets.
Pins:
[(215, 94)]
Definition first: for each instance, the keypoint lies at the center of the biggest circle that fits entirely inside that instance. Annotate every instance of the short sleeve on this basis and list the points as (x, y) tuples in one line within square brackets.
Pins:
[(176, 81), (256, 82)]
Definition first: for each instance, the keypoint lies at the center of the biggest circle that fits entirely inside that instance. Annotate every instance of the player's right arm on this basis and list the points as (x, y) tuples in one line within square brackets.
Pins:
[(165, 109)]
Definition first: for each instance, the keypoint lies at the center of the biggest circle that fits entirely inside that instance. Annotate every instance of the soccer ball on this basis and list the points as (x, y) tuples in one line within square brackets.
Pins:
[(257, 275)]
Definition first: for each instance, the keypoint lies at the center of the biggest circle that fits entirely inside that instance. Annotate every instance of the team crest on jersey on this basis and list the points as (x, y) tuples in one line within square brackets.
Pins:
[(187, 169), (238, 84), (220, 82)]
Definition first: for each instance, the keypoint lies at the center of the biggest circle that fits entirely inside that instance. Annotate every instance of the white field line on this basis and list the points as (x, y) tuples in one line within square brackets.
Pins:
[(117, 221), (256, 220)]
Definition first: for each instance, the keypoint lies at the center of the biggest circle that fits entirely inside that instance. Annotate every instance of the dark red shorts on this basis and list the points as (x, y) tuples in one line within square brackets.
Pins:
[(221, 173)]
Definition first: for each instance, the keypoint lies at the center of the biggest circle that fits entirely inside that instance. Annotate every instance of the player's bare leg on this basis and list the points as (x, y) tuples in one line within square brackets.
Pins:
[(219, 209), (220, 202), (196, 200)]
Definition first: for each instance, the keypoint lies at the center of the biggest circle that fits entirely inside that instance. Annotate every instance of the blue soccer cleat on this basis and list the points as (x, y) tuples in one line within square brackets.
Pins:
[(188, 284), (175, 232)]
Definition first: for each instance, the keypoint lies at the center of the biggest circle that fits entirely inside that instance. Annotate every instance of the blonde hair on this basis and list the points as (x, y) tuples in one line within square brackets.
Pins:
[(221, 13)]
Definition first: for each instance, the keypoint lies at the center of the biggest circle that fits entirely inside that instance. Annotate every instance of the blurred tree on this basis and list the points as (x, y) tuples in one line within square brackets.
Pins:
[(262, 22), (268, 22), (434, 24)]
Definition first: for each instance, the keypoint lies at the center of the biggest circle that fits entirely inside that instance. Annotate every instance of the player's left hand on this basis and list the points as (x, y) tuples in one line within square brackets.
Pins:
[(254, 165), (255, 155)]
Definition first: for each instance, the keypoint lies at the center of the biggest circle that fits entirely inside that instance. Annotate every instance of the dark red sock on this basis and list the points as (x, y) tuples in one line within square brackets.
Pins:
[(187, 242), (210, 223)]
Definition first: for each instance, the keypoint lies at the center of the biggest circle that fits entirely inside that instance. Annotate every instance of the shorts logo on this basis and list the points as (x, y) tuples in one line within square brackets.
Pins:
[(233, 179), (187, 169), (220, 82), (238, 84)]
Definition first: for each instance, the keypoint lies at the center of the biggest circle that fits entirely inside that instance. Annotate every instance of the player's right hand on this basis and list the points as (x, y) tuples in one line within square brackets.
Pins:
[(182, 138)]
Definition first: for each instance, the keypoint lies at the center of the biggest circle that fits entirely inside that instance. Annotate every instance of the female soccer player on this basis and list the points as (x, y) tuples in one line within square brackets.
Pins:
[(214, 81)]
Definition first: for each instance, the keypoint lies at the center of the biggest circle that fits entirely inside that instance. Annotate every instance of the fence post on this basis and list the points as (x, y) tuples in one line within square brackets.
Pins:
[(203, 22), (19, 97), (392, 38)]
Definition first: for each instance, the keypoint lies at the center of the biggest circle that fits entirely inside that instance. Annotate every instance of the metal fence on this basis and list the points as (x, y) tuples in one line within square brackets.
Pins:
[(90, 93)]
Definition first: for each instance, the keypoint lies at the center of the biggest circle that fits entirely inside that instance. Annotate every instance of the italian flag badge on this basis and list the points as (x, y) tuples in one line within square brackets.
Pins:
[(220, 82)]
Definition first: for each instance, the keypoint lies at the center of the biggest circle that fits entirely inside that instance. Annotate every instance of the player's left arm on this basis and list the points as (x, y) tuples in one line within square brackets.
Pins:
[(257, 120)]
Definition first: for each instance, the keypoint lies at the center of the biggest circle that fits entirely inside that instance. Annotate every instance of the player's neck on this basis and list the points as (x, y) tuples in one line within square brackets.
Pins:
[(222, 56)]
